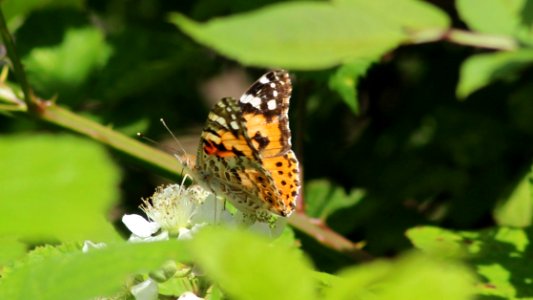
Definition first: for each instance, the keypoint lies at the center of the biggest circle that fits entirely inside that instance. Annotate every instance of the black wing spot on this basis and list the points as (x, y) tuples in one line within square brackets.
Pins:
[(263, 141)]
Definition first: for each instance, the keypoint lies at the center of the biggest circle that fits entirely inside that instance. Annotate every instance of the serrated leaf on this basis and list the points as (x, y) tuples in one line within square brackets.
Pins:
[(344, 81), (324, 198), (56, 187), (497, 255), (517, 209), (248, 267), (492, 16), (483, 69), (64, 68), (310, 35), (413, 276), (100, 272)]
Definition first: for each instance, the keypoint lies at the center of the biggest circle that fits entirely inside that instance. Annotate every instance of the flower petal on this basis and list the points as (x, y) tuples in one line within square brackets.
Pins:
[(139, 225), (146, 290)]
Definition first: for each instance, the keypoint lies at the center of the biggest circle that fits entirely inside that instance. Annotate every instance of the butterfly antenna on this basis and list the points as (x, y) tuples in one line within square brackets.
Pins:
[(173, 136), (144, 137)]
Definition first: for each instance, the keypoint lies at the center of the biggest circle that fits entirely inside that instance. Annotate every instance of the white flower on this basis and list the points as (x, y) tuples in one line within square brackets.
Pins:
[(189, 296), (146, 290), (179, 211)]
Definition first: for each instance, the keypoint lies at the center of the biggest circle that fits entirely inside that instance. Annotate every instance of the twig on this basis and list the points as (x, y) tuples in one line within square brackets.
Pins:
[(15, 60)]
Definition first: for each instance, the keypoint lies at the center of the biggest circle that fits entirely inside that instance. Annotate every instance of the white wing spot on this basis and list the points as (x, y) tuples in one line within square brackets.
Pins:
[(233, 116), (271, 104), (256, 102), (272, 85), (264, 79), (246, 98), (274, 93), (234, 125), (222, 121)]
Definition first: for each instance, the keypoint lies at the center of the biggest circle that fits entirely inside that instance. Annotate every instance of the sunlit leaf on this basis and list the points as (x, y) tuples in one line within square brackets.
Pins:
[(410, 277), (248, 267), (492, 16), (344, 82), (499, 256), (99, 272), (56, 187), (324, 198), (312, 35), (517, 209), (483, 69)]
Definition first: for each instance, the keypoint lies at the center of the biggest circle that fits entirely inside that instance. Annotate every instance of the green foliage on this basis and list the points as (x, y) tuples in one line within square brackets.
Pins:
[(347, 30), (86, 275), (324, 198), (413, 276), (247, 267), (501, 257), (54, 180), (482, 69), (392, 159), (64, 68)]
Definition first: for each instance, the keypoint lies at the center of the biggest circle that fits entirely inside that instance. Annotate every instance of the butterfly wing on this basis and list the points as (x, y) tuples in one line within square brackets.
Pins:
[(265, 109), (245, 150)]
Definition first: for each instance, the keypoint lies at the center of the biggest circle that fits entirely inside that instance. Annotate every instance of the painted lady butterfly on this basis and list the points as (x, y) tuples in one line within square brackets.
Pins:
[(245, 149)]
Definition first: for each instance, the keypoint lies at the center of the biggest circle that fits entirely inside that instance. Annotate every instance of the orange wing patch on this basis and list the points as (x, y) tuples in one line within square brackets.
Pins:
[(285, 173)]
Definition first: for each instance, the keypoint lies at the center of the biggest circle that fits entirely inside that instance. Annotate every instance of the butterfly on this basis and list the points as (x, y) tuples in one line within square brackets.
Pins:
[(245, 149)]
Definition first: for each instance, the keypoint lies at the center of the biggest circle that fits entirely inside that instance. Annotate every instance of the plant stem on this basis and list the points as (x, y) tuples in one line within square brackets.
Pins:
[(159, 161), (15, 60), (327, 237)]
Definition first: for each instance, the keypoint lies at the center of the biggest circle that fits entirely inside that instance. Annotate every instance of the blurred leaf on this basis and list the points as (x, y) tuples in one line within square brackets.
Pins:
[(482, 69), (517, 209), (16, 11), (65, 68), (322, 198), (413, 276), (12, 249), (502, 257), (492, 16), (80, 275), (416, 15), (312, 35), (57, 186), (248, 267), (344, 82)]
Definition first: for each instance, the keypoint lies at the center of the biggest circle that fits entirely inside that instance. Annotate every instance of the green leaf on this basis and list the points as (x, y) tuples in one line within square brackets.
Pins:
[(482, 69), (99, 272), (12, 249), (502, 257), (312, 35), (517, 209), (344, 81), (323, 198), (16, 11), (57, 187), (492, 16), (248, 267), (65, 68), (413, 276)]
